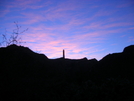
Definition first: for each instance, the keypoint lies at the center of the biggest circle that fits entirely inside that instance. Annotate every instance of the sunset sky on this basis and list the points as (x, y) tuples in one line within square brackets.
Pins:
[(84, 28)]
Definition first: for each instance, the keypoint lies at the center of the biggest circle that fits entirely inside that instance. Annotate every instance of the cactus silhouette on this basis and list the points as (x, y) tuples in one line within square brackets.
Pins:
[(63, 54)]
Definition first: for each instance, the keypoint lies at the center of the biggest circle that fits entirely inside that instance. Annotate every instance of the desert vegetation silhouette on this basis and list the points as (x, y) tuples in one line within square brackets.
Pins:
[(12, 38)]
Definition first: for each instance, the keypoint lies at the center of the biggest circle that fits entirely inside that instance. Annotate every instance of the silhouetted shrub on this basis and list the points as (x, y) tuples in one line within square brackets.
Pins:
[(12, 38)]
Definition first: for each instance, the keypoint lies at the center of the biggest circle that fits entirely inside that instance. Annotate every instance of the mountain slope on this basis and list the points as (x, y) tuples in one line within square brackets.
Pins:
[(118, 64)]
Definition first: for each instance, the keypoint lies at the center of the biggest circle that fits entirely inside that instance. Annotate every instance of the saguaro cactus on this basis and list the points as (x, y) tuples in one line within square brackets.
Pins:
[(63, 54)]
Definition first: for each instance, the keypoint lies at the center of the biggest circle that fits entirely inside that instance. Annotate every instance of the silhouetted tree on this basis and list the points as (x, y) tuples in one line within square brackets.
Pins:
[(13, 38)]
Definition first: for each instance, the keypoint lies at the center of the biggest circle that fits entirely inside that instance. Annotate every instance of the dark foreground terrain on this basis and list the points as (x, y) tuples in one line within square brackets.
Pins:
[(28, 76)]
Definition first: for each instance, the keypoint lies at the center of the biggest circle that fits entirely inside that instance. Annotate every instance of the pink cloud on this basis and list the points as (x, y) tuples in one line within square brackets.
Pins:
[(105, 25), (24, 4), (61, 11), (52, 14), (131, 28), (118, 25), (104, 13), (123, 36), (4, 12), (87, 35), (32, 18), (36, 37), (53, 46), (131, 39), (72, 51), (94, 25)]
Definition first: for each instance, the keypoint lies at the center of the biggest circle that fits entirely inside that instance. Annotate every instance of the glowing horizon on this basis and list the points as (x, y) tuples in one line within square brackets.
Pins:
[(84, 28)]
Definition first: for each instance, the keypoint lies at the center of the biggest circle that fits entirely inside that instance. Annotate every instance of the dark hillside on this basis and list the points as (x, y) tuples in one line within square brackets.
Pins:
[(26, 75), (118, 64), (72, 69)]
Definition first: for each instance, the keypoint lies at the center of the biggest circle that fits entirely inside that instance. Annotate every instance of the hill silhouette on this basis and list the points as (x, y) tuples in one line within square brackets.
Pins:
[(26, 75)]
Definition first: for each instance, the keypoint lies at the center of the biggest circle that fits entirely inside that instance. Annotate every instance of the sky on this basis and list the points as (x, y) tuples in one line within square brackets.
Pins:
[(83, 28)]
